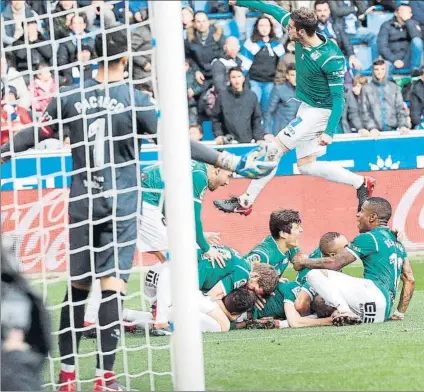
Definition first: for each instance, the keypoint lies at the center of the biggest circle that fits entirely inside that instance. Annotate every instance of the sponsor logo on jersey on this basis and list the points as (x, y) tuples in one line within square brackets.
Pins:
[(254, 258), (368, 312), (315, 55)]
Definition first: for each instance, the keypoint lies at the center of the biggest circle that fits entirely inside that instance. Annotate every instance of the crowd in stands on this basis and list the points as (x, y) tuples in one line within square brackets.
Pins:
[(240, 65)]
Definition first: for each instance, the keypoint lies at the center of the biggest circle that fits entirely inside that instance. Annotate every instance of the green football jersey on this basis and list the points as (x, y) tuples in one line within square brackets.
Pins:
[(301, 275), (382, 256), (274, 307), (268, 252), (320, 70), (153, 185), (235, 273)]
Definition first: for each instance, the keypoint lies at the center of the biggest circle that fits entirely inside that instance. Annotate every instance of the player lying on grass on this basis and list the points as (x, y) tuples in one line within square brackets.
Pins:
[(369, 299), (320, 70), (214, 314), (215, 282), (152, 235), (280, 307)]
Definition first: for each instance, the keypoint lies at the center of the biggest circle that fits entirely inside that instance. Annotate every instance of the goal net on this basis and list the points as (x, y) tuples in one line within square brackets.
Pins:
[(35, 190)]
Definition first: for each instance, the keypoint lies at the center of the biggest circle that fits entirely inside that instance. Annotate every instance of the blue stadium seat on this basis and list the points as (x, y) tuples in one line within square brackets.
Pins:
[(200, 5), (227, 15), (376, 19), (207, 131), (363, 53), (250, 22), (229, 26)]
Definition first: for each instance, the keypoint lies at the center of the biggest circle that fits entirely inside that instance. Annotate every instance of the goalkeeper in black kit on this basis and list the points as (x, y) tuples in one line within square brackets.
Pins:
[(104, 195)]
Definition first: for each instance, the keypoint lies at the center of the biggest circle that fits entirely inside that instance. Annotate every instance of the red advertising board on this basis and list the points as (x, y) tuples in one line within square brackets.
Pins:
[(38, 218)]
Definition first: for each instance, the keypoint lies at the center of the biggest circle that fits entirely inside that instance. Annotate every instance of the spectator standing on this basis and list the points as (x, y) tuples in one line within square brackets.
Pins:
[(69, 52), (283, 105), (400, 41), (352, 118), (12, 78), (141, 40), (39, 54), (347, 15), (62, 23), (13, 116), (94, 9), (382, 103), (43, 88), (333, 31), (260, 56), (204, 43), (187, 14), (194, 90), (16, 11), (417, 103), (236, 114)]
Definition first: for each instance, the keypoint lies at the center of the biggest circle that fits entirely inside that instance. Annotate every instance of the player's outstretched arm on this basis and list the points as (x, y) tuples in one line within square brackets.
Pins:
[(336, 262), (280, 14), (408, 288), (295, 320)]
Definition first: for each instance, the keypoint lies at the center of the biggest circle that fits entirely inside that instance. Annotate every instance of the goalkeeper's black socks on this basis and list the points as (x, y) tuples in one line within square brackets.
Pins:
[(65, 339), (108, 315)]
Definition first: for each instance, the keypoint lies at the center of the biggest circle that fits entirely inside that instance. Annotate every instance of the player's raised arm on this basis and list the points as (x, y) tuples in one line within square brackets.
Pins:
[(335, 263), (408, 288), (280, 14), (335, 69), (25, 139)]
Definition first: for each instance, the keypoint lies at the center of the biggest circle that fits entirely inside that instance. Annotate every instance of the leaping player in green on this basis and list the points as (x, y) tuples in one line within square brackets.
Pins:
[(320, 67)]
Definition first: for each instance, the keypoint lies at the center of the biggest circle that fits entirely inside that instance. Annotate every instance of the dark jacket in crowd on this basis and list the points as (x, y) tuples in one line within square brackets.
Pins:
[(8, 15), (237, 114), (67, 54), (333, 30), (394, 40), (282, 108), (220, 70), (382, 106), (351, 119), (194, 85), (417, 103), (141, 40), (388, 5), (22, 310), (202, 54), (39, 54), (418, 13), (339, 10)]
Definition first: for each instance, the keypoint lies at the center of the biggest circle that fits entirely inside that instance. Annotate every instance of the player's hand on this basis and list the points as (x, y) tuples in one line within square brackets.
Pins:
[(325, 140), (404, 130), (395, 317), (213, 238), (269, 137), (260, 302), (354, 62), (298, 259), (364, 132), (399, 64), (261, 143), (214, 255), (200, 78), (253, 165), (399, 234), (375, 133)]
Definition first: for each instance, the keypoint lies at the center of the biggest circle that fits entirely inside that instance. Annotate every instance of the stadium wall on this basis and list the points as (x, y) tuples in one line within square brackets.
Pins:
[(39, 221)]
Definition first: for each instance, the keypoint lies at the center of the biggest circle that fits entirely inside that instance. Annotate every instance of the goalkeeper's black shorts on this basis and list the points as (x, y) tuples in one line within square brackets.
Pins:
[(101, 249)]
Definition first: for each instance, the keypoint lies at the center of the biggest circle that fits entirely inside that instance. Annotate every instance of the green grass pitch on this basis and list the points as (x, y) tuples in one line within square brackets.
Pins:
[(385, 356)]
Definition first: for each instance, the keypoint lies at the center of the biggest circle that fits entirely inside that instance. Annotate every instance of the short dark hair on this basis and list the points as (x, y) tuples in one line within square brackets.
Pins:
[(381, 207), (256, 36), (239, 300), (291, 67), (283, 220), (234, 69), (200, 12), (80, 15), (378, 62), (326, 241), (320, 2), (116, 43), (305, 19)]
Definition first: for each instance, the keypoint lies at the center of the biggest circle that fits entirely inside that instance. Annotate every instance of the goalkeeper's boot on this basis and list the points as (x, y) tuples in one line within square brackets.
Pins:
[(232, 205), (90, 333), (67, 381), (166, 331), (365, 191), (107, 383), (341, 319)]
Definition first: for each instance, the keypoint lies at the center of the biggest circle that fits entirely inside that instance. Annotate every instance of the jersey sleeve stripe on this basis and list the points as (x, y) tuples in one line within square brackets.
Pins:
[(197, 200), (336, 84), (331, 58), (284, 18), (352, 252), (243, 269), (375, 241), (307, 292), (288, 301)]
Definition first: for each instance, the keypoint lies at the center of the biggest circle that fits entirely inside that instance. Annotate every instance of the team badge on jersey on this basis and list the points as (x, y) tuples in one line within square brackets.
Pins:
[(315, 55), (255, 258)]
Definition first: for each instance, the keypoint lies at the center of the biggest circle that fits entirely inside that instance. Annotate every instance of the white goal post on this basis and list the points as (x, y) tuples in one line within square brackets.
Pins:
[(187, 348)]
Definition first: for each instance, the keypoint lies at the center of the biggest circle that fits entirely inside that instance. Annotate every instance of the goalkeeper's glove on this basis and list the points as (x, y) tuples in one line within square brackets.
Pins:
[(253, 165)]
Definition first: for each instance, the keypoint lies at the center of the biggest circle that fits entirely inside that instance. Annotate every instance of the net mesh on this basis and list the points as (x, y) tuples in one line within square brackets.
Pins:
[(35, 202)]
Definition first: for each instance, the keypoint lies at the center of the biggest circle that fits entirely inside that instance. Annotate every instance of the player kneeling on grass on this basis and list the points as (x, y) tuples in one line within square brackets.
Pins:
[(369, 299)]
